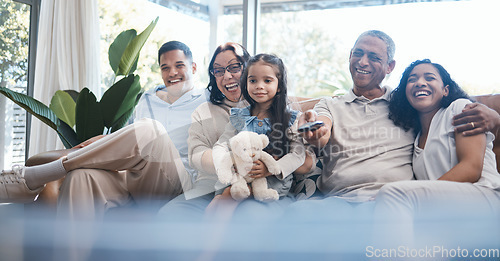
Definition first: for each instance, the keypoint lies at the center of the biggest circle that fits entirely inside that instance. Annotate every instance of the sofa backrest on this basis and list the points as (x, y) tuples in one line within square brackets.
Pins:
[(493, 101)]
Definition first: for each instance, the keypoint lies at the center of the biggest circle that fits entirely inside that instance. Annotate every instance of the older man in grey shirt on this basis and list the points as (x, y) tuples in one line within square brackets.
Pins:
[(362, 149)]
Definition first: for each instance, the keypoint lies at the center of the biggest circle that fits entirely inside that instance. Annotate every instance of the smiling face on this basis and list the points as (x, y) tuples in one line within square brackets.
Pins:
[(368, 63), (177, 71), (262, 83), (229, 83), (425, 88)]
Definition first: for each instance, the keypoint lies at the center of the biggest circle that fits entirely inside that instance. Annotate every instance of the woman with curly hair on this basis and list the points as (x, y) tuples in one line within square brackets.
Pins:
[(456, 174), (424, 101)]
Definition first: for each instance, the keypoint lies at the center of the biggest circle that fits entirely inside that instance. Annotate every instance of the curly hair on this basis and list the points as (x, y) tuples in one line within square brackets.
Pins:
[(279, 113), (400, 110), (216, 96)]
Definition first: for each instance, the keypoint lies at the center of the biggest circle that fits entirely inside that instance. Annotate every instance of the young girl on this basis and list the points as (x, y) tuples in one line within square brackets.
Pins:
[(456, 174), (263, 85)]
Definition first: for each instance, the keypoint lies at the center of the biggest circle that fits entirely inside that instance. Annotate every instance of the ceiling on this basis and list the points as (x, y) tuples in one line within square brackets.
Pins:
[(268, 6), (200, 8)]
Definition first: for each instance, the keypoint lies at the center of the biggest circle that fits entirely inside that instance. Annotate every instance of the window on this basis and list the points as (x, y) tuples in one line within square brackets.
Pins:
[(191, 29), (18, 23), (316, 60), (232, 28), (314, 39)]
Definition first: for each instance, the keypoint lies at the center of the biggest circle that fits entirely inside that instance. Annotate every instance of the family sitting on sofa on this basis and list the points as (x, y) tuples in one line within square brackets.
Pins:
[(373, 145)]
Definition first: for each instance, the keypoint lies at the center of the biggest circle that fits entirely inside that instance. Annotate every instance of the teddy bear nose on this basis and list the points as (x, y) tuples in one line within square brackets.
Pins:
[(253, 155)]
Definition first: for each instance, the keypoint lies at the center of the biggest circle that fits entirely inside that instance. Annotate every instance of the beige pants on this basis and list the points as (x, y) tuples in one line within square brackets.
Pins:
[(138, 164)]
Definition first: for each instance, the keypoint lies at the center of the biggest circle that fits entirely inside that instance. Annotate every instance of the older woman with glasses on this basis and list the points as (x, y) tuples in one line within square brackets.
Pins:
[(208, 123)]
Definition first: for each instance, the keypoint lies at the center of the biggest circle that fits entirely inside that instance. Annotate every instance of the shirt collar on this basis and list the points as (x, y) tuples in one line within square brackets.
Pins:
[(351, 97), (186, 96), (231, 104)]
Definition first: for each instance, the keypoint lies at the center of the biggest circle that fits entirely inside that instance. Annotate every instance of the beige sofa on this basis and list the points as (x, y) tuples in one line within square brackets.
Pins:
[(48, 197)]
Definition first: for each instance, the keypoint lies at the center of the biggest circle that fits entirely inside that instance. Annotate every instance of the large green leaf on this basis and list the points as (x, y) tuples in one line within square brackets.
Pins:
[(131, 54), (74, 94), (88, 113), (125, 118), (122, 121), (33, 106), (67, 135), (119, 99), (63, 105), (44, 114), (117, 48)]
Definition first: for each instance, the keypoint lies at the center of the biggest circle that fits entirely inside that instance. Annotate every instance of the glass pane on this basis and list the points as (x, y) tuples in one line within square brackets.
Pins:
[(315, 44), (315, 58), (172, 25), (14, 42), (231, 27)]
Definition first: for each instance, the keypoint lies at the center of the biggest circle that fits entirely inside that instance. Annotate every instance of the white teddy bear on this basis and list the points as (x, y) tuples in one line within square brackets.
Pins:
[(247, 147)]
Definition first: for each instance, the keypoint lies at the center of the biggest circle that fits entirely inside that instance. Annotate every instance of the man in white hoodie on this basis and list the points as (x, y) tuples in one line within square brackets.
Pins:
[(143, 162)]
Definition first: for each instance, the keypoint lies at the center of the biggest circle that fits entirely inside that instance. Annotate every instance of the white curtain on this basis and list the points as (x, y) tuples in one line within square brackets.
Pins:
[(67, 59)]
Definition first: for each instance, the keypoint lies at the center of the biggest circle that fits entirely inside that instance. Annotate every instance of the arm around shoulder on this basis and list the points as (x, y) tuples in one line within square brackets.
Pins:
[(478, 118)]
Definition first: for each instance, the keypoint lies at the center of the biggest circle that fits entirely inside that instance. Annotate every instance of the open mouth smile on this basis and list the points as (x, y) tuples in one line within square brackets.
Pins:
[(422, 93), (362, 71), (174, 81), (232, 86)]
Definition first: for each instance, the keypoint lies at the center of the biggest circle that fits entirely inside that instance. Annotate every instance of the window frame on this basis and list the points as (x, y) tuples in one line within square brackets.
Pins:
[(34, 19)]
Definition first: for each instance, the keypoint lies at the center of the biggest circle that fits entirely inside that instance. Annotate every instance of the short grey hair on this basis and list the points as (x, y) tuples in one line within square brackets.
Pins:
[(391, 47)]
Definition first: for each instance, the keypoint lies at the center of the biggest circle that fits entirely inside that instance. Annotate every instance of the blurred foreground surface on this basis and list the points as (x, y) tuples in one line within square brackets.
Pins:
[(131, 235)]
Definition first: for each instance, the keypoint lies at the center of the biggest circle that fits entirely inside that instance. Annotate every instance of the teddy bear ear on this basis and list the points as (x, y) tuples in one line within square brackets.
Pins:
[(265, 140), (232, 143)]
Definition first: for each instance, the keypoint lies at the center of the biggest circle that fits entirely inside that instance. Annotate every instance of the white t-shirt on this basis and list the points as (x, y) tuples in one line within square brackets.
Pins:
[(440, 152)]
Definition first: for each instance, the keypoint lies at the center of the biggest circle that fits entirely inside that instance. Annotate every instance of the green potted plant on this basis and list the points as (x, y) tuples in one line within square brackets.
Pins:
[(78, 116)]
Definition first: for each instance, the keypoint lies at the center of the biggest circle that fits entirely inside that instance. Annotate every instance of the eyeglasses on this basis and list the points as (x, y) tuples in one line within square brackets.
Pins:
[(232, 68)]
